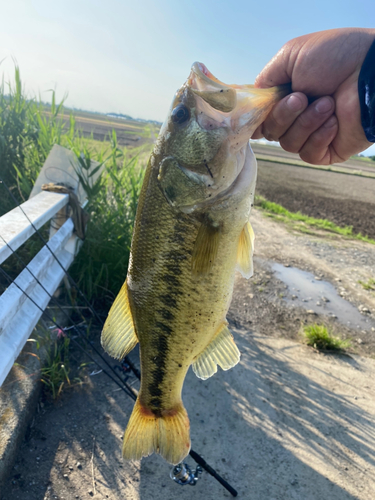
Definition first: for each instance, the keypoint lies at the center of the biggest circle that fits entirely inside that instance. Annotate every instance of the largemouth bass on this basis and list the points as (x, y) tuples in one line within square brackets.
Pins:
[(191, 234)]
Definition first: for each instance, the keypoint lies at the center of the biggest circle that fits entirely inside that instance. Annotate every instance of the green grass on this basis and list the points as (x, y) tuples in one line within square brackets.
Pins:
[(100, 267), (368, 159), (368, 285), (301, 221), (28, 130), (319, 337), (55, 372)]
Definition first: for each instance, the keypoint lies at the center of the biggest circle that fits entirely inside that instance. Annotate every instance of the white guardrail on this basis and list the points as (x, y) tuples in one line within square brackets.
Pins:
[(18, 314)]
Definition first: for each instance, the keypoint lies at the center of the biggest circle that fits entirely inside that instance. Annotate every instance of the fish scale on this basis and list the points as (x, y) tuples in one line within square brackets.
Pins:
[(191, 234), (175, 293)]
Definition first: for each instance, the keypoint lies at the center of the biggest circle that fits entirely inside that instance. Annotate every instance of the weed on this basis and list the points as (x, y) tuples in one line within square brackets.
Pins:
[(319, 337), (100, 267), (280, 213), (28, 130), (369, 284), (27, 133), (55, 372)]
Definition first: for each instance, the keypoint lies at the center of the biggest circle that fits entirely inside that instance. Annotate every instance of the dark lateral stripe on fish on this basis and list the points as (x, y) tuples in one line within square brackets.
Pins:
[(169, 300), (160, 344), (166, 314), (172, 280), (162, 333), (176, 255), (165, 328)]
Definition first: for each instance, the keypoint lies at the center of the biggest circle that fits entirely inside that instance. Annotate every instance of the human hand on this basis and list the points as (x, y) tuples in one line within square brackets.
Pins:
[(323, 65)]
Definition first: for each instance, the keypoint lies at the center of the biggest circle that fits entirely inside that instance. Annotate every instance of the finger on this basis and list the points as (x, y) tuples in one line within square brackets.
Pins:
[(277, 71), (258, 134), (307, 123), (283, 115), (317, 149)]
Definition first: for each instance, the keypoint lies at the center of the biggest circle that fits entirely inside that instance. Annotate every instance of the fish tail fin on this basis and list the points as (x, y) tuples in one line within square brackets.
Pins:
[(146, 434)]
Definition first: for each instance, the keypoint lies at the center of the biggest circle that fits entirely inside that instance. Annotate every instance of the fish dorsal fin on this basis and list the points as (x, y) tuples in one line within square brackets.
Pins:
[(205, 249), (245, 251), (118, 335), (221, 351)]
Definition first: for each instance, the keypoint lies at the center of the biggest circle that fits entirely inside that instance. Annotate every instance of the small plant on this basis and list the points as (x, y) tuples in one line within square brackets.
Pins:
[(319, 337), (55, 373), (368, 285)]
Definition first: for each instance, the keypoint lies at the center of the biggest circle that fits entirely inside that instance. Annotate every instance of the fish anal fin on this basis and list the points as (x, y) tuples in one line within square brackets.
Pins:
[(205, 249), (221, 351), (118, 335), (245, 251), (167, 435)]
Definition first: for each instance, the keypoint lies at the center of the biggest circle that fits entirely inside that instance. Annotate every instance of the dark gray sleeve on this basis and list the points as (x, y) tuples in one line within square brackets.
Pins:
[(366, 91)]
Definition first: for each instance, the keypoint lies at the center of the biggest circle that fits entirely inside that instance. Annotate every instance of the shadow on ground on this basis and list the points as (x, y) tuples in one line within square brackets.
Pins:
[(285, 423)]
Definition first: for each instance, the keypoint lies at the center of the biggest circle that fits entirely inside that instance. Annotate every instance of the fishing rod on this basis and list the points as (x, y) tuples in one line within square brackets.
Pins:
[(127, 389), (55, 301), (72, 281), (182, 473)]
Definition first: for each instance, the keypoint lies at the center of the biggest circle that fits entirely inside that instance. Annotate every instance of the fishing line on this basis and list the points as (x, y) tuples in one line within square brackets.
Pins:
[(135, 371), (58, 305), (54, 256), (127, 389)]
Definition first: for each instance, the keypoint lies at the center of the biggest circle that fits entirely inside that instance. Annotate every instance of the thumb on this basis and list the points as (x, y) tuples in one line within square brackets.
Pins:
[(276, 72)]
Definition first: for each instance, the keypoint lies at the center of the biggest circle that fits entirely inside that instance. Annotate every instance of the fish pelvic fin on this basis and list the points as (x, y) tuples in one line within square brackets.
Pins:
[(168, 435), (205, 249), (245, 251), (118, 335), (221, 351)]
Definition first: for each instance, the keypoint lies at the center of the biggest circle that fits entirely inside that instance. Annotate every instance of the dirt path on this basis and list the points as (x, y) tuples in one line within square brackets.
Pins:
[(287, 422)]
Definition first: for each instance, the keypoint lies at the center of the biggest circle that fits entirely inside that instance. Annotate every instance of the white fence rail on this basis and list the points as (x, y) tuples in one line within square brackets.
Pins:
[(18, 314)]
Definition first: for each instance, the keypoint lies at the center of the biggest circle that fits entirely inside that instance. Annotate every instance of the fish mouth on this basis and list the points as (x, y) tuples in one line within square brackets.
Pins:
[(203, 79), (205, 85), (242, 108)]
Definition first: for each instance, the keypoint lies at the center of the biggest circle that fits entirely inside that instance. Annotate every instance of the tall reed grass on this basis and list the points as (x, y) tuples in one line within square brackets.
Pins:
[(28, 130), (101, 265)]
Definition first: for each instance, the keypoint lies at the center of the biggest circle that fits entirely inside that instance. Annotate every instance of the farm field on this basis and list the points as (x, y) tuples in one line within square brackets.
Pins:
[(353, 164), (130, 133), (346, 200)]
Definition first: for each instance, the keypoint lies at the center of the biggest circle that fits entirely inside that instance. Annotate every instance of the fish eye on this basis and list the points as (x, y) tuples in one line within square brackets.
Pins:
[(180, 114)]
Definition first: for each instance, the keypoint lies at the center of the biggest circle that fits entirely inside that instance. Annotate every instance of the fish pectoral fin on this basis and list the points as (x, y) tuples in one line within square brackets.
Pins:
[(118, 335), (245, 251), (205, 249), (221, 351)]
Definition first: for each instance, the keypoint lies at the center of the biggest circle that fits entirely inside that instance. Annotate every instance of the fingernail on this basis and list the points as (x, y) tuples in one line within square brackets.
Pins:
[(294, 103), (331, 122), (323, 105)]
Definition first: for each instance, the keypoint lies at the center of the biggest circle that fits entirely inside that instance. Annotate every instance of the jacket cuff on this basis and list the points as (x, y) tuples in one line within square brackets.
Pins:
[(366, 91)]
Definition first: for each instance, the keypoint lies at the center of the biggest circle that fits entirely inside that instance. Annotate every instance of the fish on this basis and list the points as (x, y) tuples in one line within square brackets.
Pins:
[(191, 234)]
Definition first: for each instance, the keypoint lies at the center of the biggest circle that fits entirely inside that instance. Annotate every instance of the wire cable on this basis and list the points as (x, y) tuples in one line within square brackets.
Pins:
[(125, 387), (135, 371)]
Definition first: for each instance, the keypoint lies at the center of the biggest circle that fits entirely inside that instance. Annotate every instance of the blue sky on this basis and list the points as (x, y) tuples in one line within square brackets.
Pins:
[(130, 57)]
